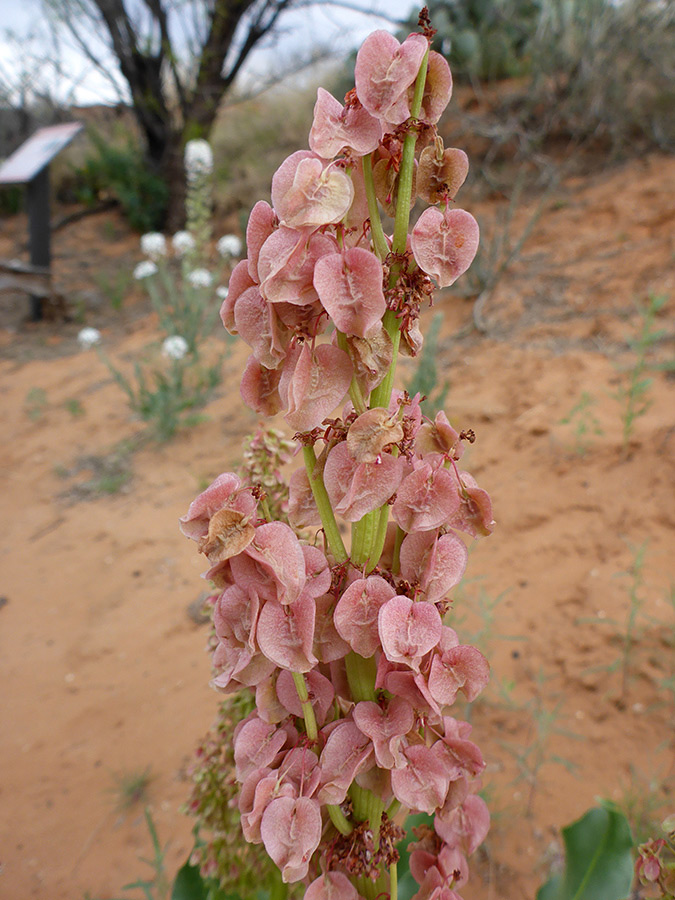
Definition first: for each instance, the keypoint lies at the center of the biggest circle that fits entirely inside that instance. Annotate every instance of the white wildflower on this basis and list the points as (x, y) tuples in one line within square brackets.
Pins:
[(222, 292), (174, 347), (153, 245), (145, 269), (183, 242), (229, 246), (200, 278), (88, 337), (198, 159)]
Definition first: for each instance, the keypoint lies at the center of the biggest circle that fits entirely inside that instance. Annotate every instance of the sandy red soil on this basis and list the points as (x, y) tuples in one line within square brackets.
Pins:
[(103, 672)]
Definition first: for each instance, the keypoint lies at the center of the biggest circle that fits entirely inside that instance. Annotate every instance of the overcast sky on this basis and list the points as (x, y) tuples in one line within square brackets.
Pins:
[(325, 23)]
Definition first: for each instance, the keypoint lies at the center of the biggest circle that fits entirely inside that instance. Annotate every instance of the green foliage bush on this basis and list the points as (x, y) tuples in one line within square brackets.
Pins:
[(120, 171)]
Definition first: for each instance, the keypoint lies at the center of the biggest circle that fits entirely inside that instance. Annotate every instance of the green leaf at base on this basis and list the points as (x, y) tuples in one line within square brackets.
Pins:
[(598, 859)]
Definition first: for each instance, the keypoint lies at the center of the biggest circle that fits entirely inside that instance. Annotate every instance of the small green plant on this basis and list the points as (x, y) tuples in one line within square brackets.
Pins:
[(632, 394), (115, 287), (35, 404), (500, 247), (74, 407), (585, 422), (645, 798), (131, 788), (425, 377), (532, 756), (109, 474), (167, 400), (629, 631)]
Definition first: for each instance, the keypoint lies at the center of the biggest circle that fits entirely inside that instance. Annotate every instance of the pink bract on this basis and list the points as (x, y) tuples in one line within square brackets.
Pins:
[(349, 285), (444, 244), (408, 630), (384, 71), (336, 127), (307, 193), (356, 614), (313, 383), (357, 488), (332, 886), (291, 831)]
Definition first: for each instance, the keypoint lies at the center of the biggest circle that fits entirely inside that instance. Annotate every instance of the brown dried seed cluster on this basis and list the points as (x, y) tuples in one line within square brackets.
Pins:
[(360, 855)]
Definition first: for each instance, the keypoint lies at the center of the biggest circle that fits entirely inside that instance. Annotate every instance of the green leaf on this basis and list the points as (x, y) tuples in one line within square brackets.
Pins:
[(189, 884), (598, 859)]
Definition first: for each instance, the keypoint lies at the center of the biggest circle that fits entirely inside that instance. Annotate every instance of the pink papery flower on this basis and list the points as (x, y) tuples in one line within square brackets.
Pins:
[(474, 513), (258, 323), (437, 89), (332, 886), (426, 499), (349, 285), (308, 193), (384, 71), (461, 757), (328, 645), (258, 790), (313, 382), (408, 630), (346, 753), (279, 570), (225, 492), (439, 437), (336, 126), (354, 488), (286, 634), (240, 281), (356, 614), (422, 782), (286, 265), (257, 744), (261, 223), (449, 862), (302, 509), (291, 831), (436, 563), (466, 826), (435, 887), (386, 726), (444, 244), (460, 668), (259, 388)]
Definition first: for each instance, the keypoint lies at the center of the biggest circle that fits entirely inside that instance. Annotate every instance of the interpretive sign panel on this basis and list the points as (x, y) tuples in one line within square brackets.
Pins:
[(37, 152)]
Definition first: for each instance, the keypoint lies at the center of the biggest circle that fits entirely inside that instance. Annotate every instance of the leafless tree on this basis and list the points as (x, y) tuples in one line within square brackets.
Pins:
[(177, 59)]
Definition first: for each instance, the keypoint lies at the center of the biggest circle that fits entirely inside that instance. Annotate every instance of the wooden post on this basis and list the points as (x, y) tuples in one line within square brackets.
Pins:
[(39, 230)]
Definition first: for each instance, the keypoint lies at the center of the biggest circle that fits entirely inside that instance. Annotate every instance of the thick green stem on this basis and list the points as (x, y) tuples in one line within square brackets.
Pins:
[(361, 673), (328, 521), (380, 538), (364, 533), (306, 703), (376, 230)]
